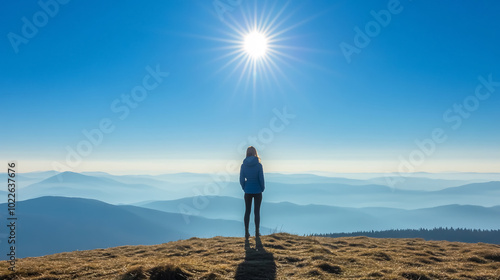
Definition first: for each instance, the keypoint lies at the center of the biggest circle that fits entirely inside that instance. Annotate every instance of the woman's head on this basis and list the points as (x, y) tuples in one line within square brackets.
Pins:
[(251, 151)]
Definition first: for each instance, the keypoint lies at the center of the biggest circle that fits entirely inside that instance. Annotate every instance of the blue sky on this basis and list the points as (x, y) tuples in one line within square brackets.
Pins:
[(359, 116)]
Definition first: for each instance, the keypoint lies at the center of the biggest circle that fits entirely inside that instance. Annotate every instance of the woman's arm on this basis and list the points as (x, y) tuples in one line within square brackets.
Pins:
[(261, 178), (242, 178)]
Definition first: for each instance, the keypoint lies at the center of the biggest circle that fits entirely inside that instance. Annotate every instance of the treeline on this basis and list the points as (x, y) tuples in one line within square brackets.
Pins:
[(448, 234)]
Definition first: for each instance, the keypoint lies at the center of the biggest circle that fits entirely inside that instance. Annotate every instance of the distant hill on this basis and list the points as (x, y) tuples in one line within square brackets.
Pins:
[(483, 194), (492, 188), (26, 179), (417, 183), (58, 224), (406, 183), (136, 179), (276, 256), (448, 234), (310, 179), (306, 219), (71, 184)]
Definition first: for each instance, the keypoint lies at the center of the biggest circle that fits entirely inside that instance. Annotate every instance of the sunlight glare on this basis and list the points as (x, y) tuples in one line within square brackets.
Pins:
[(255, 44)]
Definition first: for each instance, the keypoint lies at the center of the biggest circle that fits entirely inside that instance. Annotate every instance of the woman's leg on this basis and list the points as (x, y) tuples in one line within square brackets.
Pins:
[(256, 210), (248, 208)]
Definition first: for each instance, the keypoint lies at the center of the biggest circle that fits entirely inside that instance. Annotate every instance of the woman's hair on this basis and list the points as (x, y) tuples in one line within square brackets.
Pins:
[(251, 151)]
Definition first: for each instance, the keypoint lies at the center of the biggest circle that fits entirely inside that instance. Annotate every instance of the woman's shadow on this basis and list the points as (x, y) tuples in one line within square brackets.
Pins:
[(258, 263)]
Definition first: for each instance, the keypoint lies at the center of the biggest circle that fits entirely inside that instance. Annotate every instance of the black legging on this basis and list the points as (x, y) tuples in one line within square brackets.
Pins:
[(248, 207)]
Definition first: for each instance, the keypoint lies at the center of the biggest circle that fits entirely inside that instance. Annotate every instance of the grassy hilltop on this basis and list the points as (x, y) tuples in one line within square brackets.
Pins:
[(276, 256)]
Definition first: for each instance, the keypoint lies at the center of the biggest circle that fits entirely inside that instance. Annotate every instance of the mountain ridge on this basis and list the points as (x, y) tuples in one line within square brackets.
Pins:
[(317, 218)]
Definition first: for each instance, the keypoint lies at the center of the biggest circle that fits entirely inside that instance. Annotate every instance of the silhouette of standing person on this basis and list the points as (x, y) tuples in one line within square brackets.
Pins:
[(252, 183)]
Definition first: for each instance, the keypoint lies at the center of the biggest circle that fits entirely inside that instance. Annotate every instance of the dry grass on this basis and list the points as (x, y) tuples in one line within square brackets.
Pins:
[(278, 256)]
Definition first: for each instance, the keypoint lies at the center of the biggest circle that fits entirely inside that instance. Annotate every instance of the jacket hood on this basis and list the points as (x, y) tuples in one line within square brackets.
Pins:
[(250, 161)]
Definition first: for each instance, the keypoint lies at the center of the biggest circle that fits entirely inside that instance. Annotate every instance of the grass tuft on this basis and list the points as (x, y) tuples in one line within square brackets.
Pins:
[(477, 259), (333, 269), (493, 256), (414, 276), (168, 272)]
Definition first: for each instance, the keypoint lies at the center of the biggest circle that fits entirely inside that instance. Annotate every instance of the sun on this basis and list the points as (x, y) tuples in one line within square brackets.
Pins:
[(258, 44), (255, 44)]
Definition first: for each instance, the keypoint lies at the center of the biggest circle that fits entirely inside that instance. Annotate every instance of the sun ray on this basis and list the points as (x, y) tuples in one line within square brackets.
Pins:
[(244, 71), (231, 61)]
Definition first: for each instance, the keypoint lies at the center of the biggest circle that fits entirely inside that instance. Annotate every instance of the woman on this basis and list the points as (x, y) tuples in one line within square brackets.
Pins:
[(252, 183)]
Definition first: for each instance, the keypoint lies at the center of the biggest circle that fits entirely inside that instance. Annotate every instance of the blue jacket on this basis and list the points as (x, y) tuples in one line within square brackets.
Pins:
[(252, 175)]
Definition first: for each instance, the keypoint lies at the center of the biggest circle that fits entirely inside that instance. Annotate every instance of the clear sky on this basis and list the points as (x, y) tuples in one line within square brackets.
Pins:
[(346, 86)]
